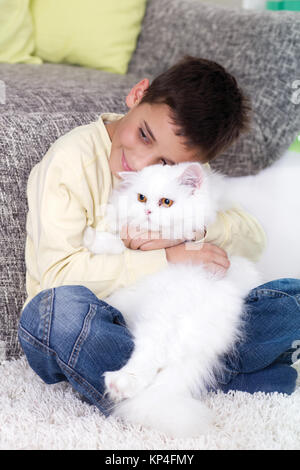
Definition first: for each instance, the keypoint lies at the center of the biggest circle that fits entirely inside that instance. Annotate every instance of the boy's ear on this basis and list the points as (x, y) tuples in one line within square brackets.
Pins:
[(137, 93)]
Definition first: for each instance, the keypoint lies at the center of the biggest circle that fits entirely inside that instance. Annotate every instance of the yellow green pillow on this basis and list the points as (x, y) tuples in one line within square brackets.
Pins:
[(94, 33), (296, 145), (16, 32)]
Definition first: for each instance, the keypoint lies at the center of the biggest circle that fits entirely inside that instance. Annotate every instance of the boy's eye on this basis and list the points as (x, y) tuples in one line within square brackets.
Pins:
[(143, 135), (141, 198), (163, 161), (165, 202)]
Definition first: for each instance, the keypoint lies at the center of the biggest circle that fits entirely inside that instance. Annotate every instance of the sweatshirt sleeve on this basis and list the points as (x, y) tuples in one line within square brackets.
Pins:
[(238, 233), (60, 204)]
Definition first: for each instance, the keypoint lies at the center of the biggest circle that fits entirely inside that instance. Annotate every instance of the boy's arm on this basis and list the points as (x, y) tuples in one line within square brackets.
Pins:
[(238, 233)]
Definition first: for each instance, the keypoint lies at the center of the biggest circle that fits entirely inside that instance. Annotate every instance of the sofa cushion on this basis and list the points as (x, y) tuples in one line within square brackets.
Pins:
[(66, 88), (94, 33), (260, 48), (16, 32)]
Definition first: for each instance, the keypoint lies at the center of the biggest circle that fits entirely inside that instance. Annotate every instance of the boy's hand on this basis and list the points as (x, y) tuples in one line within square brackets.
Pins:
[(211, 256), (145, 240)]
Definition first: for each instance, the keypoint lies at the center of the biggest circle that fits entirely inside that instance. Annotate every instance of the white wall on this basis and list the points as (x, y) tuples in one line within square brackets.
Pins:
[(226, 3), (258, 4)]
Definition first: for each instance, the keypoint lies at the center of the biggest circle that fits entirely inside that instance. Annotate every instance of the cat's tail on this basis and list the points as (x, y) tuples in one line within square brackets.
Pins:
[(175, 413)]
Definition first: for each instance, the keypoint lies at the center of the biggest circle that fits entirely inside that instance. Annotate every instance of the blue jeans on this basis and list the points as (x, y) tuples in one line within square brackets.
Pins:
[(67, 333)]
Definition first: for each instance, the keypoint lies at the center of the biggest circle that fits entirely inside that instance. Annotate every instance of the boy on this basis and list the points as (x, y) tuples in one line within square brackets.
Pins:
[(193, 111)]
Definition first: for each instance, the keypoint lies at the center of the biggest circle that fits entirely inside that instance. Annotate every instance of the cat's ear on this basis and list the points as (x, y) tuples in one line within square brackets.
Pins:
[(192, 176), (127, 178)]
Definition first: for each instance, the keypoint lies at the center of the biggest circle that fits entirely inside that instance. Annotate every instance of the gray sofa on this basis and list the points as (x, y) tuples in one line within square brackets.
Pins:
[(45, 101)]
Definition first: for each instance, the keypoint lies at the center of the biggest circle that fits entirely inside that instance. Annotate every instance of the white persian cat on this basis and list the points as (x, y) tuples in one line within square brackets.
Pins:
[(183, 318)]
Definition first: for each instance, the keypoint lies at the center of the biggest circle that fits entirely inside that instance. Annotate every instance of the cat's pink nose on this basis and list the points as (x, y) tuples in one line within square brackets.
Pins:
[(147, 211)]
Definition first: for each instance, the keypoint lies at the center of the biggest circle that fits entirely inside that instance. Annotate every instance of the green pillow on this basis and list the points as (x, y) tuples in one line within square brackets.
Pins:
[(16, 32), (94, 33), (296, 145)]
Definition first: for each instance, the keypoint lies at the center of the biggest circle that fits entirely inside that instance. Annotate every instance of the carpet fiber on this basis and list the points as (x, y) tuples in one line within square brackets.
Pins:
[(38, 416)]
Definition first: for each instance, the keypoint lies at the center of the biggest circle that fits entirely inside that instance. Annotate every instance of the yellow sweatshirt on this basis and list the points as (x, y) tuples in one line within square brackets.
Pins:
[(65, 191)]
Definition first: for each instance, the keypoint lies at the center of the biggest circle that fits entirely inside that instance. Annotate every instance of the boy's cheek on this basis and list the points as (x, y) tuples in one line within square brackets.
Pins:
[(128, 138)]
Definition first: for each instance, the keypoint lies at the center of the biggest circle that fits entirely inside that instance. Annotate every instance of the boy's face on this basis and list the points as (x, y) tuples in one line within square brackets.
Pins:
[(146, 136)]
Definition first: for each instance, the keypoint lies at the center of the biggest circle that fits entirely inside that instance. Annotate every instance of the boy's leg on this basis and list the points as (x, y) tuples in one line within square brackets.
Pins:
[(262, 361), (67, 333)]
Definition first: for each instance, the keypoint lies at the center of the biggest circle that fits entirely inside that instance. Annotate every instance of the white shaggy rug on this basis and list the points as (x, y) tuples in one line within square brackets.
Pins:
[(36, 416)]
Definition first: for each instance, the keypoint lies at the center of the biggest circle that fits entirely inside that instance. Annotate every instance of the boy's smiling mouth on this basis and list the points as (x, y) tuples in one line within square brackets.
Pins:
[(125, 165)]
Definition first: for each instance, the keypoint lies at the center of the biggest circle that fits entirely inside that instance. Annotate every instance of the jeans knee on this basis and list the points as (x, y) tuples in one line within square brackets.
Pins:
[(64, 319), (68, 333)]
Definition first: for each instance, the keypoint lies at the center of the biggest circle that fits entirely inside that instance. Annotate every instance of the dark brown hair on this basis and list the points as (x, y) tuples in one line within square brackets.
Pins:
[(207, 106)]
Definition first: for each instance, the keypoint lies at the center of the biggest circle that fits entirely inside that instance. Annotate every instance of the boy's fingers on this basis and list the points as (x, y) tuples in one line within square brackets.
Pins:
[(159, 244), (138, 240), (132, 238), (215, 249), (216, 269), (136, 243), (221, 262), (126, 242), (214, 257)]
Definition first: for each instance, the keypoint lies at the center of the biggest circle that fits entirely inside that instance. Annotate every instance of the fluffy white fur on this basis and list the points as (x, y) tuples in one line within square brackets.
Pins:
[(273, 197), (183, 318)]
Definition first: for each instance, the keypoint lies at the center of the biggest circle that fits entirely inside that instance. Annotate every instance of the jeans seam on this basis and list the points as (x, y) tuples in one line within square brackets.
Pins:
[(23, 333), (82, 335), (47, 315), (275, 293), (270, 292), (297, 299)]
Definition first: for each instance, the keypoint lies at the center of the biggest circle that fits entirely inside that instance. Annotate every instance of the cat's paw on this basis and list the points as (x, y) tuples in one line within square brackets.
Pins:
[(122, 384), (102, 242)]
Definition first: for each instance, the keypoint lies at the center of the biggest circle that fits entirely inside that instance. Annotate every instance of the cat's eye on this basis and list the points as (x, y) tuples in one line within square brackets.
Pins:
[(165, 202), (141, 198)]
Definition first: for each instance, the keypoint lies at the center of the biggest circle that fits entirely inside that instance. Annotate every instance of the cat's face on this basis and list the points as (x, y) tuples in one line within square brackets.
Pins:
[(173, 200)]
